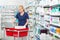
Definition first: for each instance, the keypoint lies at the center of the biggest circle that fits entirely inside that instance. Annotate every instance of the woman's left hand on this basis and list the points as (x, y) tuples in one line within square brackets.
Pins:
[(25, 25)]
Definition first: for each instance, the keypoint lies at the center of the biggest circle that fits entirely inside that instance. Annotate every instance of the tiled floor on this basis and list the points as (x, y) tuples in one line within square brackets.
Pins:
[(11, 38)]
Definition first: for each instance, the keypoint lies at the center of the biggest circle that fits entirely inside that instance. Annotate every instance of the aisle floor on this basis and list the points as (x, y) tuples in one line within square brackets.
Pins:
[(12, 38)]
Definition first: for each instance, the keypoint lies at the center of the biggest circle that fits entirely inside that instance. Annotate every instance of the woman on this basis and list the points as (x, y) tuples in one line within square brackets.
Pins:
[(22, 17)]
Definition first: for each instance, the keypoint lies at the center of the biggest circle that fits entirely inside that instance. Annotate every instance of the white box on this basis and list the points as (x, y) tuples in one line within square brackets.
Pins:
[(20, 27)]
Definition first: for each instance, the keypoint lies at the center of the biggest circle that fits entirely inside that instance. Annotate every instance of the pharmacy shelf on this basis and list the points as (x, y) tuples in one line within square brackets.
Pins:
[(47, 20), (47, 28), (7, 21), (55, 34), (54, 5), (7, 12), (8, 15), (42, 15), (47, 14), (55, 24), (41, 24), (56, 15)]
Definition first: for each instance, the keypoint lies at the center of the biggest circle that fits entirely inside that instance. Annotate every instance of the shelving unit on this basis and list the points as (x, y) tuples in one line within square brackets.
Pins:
[(55, 15), (52, 22), (0, 26), (55, 24), (44, 18), (8, 13), (55, 34)]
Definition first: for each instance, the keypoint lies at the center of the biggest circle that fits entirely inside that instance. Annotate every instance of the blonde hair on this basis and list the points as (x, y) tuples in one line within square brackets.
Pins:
[(21, 7)]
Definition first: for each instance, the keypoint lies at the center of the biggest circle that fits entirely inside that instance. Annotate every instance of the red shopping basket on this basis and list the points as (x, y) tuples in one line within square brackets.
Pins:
[(24, 32), (9, 31), (16, 32)]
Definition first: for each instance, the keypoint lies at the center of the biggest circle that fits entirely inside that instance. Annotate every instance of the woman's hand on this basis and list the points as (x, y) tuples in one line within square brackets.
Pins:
[(13, 20), (26, 23)]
